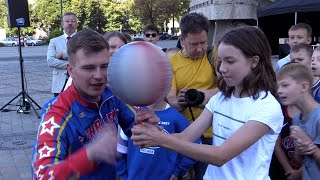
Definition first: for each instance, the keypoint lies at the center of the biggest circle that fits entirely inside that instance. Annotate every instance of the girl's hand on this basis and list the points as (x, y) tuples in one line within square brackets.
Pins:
[(146, 135)]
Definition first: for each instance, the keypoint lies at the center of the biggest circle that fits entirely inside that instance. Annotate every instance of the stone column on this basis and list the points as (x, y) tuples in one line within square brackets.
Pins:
[(225, 15)]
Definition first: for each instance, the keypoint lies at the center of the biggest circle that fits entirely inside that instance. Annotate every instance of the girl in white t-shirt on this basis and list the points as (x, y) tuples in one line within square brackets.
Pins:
[(245, 116)]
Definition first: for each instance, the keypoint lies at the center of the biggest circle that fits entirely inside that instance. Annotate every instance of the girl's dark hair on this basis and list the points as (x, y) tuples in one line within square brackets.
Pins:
[(110, 34), (252, 42)]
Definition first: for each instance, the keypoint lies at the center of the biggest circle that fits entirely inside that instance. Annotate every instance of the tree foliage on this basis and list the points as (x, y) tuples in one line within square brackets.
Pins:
[(3, 14), (100, 15), (160, 11)]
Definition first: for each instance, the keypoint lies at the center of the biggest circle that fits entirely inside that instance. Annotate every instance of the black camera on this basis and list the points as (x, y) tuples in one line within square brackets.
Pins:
[(194, 97)]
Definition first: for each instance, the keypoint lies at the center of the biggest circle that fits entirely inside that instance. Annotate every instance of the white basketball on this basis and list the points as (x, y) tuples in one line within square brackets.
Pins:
[(139, 73)]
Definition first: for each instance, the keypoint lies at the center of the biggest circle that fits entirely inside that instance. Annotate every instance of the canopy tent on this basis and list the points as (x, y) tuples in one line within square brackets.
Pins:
[(276, 18), (289, 6)]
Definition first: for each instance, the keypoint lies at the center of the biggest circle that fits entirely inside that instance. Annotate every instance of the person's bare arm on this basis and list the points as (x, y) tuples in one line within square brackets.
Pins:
[(177, 100), (197, 128), (297, 156), (281, 156), (207, 95), (172, 99), (241, 140)]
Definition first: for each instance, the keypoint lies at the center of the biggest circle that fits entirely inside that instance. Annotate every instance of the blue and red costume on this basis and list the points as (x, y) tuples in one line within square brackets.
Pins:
[(68, 123)]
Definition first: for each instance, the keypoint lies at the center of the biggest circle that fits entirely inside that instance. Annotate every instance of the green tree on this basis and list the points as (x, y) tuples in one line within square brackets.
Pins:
[(160, 11), (47, 14), (3, 14), (149, 11), (131, 22), (96, 16), (115, 14), (175, 9), (100, 15)]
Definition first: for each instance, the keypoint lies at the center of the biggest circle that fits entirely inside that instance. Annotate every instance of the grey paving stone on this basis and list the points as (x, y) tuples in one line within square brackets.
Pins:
[(9, 173)]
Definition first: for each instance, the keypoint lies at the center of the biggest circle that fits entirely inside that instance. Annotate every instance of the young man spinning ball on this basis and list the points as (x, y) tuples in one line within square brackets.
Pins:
[(77, 135)]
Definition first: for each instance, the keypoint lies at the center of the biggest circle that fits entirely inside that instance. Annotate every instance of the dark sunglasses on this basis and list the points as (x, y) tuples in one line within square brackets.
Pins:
[(153, 35)]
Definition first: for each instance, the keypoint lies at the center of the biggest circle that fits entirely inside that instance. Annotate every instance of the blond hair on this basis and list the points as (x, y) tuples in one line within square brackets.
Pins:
[(304, 26), (297, 72)]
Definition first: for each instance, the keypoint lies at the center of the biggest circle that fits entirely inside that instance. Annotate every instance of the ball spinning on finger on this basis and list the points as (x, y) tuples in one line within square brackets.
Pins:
[(139, 73)]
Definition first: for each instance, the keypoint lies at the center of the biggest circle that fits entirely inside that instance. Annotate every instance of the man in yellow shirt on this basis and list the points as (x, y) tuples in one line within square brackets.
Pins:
[(193, 70)]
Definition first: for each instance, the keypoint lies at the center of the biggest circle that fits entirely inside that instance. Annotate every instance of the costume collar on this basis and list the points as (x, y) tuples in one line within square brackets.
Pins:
[(107, 94)]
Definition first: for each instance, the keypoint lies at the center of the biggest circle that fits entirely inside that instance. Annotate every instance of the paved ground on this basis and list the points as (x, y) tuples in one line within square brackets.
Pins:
[(18, 130)]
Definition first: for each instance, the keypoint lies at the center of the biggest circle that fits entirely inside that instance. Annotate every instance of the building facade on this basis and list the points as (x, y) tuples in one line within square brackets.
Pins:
[(227, 14)]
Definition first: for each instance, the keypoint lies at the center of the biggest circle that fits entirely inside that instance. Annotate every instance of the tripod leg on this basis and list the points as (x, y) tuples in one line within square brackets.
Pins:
[(33, 101), (10, 101), (31, 104)]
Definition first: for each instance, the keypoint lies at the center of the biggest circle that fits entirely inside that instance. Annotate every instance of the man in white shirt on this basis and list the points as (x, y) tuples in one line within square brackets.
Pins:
[(57, 57)]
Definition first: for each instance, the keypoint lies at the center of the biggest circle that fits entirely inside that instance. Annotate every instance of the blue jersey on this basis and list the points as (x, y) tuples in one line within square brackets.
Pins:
[(154, 162), (68, 123), (316, 91)]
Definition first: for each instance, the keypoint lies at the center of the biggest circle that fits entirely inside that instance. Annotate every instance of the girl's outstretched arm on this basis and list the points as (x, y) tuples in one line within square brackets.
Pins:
[(242, 139), (197, 128), (147, 134)]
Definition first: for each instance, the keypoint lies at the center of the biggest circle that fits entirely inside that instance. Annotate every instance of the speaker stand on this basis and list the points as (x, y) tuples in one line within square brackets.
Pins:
[(26, 100)]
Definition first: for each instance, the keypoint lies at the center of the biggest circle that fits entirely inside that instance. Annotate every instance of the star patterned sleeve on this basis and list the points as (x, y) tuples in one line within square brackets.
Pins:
[(50, 159)]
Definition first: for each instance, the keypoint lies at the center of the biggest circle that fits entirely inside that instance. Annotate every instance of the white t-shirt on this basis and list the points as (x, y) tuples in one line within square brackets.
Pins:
[(282, 62), (69, 82), (228, 116)]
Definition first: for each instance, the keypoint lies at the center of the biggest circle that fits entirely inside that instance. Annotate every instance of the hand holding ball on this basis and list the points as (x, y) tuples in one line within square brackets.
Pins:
[(140, 73)]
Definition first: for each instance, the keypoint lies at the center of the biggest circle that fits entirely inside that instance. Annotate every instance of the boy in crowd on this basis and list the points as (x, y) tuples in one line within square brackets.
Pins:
[(294, 83), (298, 33), (151, 34), (285, 166), (315, 67), (302, 53), (315, 62), (155, 162)]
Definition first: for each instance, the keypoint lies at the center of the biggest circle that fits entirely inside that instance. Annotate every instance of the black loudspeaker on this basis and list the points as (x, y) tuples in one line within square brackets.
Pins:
[(18, 13)]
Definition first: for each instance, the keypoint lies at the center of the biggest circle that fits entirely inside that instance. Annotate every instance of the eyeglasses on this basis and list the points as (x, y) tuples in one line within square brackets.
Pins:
[(71, 21), (153, 35)]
